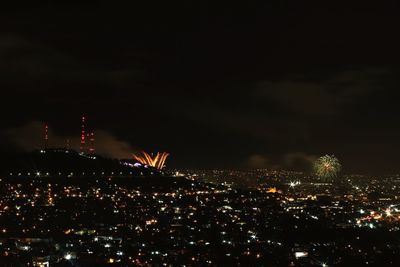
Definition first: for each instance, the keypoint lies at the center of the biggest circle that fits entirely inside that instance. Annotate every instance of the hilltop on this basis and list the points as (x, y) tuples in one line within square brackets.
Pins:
[(70, 163)]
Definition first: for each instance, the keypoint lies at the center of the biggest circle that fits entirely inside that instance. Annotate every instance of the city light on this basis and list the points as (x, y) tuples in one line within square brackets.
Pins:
[(294, 184), (301, 254), (175, 209)]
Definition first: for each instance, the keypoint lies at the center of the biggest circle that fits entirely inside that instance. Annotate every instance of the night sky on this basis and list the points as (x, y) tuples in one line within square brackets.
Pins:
[(229, 85)]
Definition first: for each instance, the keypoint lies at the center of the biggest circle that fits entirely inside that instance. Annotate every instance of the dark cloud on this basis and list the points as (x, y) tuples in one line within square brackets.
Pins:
[(290, 161), (258, 162), (299, 161), (321, 97)]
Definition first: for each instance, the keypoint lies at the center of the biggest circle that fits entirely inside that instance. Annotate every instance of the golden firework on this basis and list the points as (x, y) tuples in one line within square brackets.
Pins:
[(157, 161)]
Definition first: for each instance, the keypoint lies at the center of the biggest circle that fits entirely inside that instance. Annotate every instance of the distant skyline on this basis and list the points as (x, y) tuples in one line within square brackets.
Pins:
[(224, 86)]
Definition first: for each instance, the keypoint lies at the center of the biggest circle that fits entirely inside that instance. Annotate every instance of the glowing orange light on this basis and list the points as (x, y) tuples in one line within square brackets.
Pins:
[(272, 190)]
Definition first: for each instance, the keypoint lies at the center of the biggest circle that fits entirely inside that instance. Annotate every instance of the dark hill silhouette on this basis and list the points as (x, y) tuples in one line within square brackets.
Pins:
[(55, 166), (63, 162)]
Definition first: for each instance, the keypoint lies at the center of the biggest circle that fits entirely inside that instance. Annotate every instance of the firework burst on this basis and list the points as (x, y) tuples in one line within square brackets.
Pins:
[(327, 167), (157, 161)]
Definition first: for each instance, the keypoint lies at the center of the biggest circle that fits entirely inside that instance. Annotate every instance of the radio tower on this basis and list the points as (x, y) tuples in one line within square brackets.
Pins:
[(46, 136), (83, 135), (91, 139)]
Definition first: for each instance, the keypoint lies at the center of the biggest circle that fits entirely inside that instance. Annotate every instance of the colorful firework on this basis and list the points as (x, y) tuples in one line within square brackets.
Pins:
[(327, 167)]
